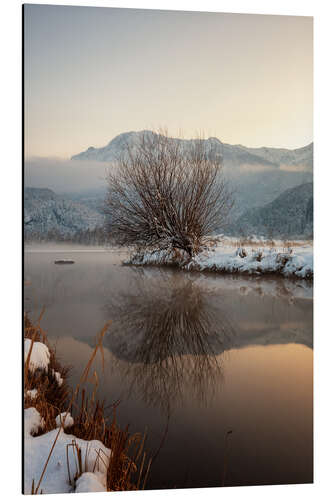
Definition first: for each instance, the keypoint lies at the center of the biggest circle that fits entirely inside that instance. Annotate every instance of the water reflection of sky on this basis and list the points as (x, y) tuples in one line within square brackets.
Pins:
[(194, 354)]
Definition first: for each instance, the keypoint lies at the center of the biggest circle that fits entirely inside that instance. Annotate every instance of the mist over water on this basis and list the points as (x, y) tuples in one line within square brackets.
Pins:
[(190, 356)]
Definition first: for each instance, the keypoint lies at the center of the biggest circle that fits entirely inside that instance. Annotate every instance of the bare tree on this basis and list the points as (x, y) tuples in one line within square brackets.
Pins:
[(166, 194)]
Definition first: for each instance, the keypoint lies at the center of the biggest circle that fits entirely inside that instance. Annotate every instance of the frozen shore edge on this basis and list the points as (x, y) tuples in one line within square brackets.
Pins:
[(256, 258)]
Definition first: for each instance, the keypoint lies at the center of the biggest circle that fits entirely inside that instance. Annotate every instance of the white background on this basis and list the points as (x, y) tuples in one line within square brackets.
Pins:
[(10, 199)]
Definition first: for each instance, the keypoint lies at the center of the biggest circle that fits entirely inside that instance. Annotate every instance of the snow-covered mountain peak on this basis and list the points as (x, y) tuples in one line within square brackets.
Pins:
[(233, 155)]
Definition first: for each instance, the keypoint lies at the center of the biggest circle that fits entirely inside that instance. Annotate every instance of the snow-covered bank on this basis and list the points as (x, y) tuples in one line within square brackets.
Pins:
[(63, 473), (65, 453), (229, 256), (63, 464), (86, 452)]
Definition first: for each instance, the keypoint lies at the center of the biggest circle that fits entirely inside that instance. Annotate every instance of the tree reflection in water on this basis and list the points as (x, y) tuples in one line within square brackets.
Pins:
[(169, 331)]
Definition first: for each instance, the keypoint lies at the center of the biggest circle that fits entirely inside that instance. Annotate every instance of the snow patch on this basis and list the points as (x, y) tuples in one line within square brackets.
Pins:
[(40, 355), (89, 482), (31, 394), (32, 422), (64, 419), (58, 377), (36, 450)]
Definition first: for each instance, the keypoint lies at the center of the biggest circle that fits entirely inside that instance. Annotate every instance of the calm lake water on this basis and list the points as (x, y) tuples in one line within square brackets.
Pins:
[(191, 356)]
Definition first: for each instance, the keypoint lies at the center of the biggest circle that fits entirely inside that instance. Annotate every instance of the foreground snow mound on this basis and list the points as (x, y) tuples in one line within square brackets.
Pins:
[(95, 459), (89, 482), (32, 422), (225, 257), (40, 355)]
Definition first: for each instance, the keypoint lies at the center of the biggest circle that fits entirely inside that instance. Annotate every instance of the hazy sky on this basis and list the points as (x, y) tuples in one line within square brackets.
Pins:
[(92, 73)]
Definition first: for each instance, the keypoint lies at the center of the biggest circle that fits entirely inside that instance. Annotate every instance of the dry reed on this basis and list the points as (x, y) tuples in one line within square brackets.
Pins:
[(128, 466)]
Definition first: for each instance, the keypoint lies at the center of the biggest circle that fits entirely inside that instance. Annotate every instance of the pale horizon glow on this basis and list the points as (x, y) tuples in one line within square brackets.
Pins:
[(92, 73)]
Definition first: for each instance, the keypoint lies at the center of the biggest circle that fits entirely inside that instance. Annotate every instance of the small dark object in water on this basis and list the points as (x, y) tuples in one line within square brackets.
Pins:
[(64, 261)]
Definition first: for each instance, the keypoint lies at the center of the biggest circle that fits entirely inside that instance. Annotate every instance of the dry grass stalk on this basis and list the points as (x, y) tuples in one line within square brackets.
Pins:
[(90, 420)]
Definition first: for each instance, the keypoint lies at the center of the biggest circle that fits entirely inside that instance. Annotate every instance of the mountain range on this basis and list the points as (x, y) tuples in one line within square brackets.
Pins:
[(256, 175), (272, 188), (231, 155)]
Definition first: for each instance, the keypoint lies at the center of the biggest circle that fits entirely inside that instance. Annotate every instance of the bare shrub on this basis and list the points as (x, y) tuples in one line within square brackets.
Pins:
[(164, 195)]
